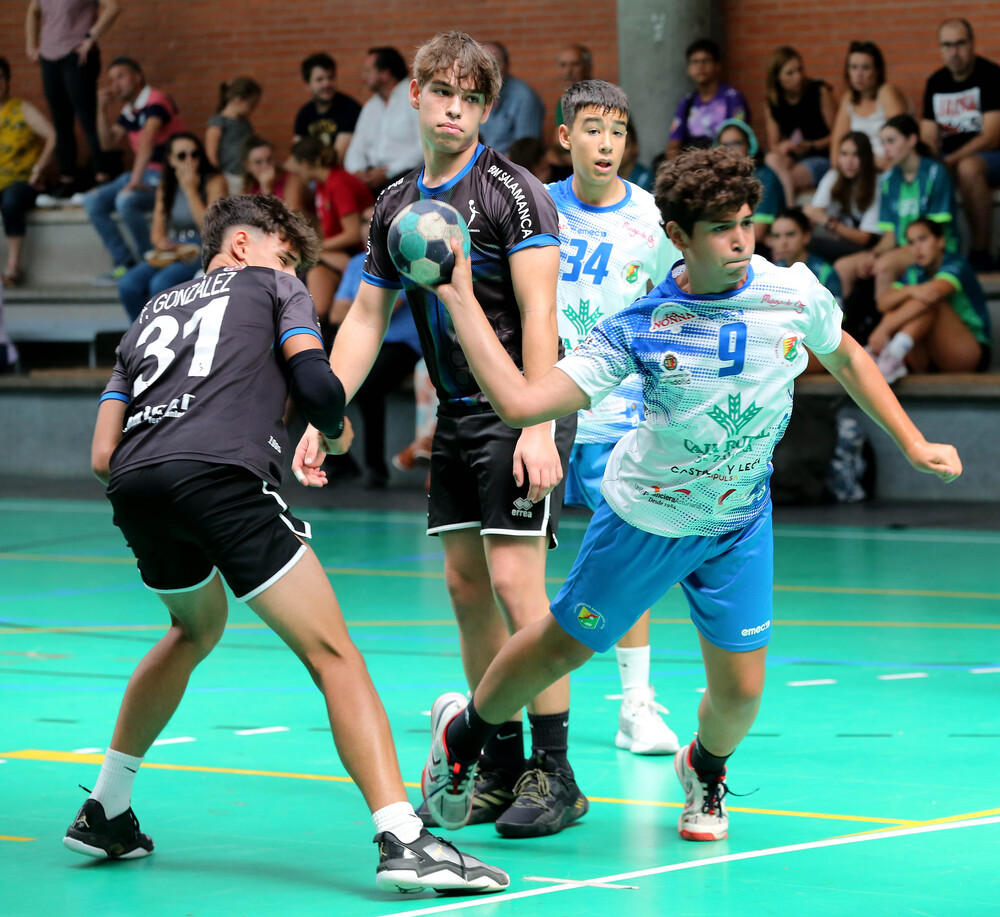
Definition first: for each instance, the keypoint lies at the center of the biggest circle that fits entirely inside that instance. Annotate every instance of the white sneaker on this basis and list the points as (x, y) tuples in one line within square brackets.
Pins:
[(447, 785), (892, 367), (641, 729), (704, 817)]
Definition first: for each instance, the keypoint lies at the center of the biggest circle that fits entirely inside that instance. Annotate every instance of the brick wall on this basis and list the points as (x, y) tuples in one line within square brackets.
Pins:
[(189, 47)]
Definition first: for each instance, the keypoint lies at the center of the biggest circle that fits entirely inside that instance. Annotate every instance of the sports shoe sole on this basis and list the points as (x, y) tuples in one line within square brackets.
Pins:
[(99, 853), (627, 743), (408, 881)]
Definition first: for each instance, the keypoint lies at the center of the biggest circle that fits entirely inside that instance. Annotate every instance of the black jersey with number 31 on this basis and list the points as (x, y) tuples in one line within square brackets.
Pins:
[(200, 370), (506, 209)]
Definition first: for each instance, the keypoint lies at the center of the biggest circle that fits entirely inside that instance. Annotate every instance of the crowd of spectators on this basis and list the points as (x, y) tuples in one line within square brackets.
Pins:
[(862, 168)]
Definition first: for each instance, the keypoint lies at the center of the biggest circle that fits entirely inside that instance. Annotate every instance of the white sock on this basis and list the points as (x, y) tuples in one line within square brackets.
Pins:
[(113, 789), (399, 819), (900, 345), (633, 667)]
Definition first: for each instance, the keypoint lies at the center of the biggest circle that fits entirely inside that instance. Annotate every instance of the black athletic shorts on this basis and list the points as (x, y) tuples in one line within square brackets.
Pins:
[(472, 479), (183, 520)]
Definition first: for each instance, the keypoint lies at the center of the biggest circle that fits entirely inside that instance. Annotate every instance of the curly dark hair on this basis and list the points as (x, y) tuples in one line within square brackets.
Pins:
[(705, 185), (266, 214)]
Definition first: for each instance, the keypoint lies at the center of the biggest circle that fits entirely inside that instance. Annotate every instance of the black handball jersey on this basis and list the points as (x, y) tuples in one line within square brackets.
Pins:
[(201, 372), (506, 209)]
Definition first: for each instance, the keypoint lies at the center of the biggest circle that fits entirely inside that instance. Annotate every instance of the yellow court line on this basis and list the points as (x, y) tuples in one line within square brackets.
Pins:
[(7, 837), (435, 574), (985, 813), (72, 757)]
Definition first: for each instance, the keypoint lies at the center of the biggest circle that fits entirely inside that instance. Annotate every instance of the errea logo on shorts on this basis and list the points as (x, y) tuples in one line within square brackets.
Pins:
[(753, 631), (522, 507)]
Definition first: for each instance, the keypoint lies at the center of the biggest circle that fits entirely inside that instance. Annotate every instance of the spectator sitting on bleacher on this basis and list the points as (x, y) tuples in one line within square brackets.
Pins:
[(386, 141), (916, 186), (190, 183), (62, 36), (229, 128), (790, 234), (393, 365), (845, 206), (330, 116), (700, 113), (517, 112), (576, 63), (340, 199), (148, 120), (869, 102), (263, 175), (937, 318), (738, 135), (798, 117), (961, 120), (27, 142)]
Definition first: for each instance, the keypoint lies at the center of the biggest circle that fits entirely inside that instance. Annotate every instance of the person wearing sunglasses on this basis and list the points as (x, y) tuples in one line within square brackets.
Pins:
[(189, 184)]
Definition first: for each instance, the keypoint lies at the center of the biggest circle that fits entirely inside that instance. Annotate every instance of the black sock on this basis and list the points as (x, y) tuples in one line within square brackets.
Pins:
[(550, 735), (706, 765), (504, 751), (466, 735)]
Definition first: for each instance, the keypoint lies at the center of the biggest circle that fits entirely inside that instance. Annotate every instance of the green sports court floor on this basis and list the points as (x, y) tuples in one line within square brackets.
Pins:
[(871, 769)]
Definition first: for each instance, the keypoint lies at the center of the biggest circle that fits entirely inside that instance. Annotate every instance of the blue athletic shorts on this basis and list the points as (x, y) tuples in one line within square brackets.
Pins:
[(621, 571), (587, 462)]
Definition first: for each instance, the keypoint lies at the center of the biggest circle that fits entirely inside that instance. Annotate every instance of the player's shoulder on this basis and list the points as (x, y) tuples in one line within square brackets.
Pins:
[(641, 200), (561, 191), (404, 190)]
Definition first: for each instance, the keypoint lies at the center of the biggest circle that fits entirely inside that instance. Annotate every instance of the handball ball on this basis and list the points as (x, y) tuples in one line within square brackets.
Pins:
[(420, 241)]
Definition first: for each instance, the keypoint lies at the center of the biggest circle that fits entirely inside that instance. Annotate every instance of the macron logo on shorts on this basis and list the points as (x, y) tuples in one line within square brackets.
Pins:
[(753, 631)]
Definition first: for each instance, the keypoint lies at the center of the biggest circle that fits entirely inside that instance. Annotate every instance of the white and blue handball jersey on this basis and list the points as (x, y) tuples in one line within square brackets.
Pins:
[(608, 255), (717, 373)]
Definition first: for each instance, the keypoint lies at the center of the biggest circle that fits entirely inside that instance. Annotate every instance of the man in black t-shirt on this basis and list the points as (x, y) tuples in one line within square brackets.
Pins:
[(188, 439), (329, 115), (494, 525), (961, 120)]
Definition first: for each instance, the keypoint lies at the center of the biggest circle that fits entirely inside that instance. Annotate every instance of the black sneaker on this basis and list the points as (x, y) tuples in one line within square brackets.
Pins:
[(432, 863), (546, 801), (493, 792), (94, 835)]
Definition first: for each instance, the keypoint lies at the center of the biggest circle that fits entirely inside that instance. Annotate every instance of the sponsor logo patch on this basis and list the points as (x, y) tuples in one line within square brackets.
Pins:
[(588, 618)]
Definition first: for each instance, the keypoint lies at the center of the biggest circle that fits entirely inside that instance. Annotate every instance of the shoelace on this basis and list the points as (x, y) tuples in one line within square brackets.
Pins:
[(715, 792), (648, 702), (533, 787)]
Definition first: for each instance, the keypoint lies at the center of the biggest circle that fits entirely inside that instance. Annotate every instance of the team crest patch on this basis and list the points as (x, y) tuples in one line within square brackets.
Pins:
[(788, 347), (673, 374), (630, 273), (588, 618)]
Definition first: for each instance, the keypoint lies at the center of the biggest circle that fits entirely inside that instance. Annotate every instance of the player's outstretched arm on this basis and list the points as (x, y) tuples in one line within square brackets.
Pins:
[(518, 401), (354, 350), (860, 377)]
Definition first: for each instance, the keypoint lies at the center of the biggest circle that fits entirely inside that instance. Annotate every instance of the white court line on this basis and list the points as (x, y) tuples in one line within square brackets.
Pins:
[(582, 883), (809, 684), (176, 741), (87, 751), (900, 675), (262, 731), (991, 671), (696, 864)]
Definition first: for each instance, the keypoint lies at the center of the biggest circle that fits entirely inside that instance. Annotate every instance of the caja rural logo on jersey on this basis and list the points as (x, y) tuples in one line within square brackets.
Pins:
[(732, 421)]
